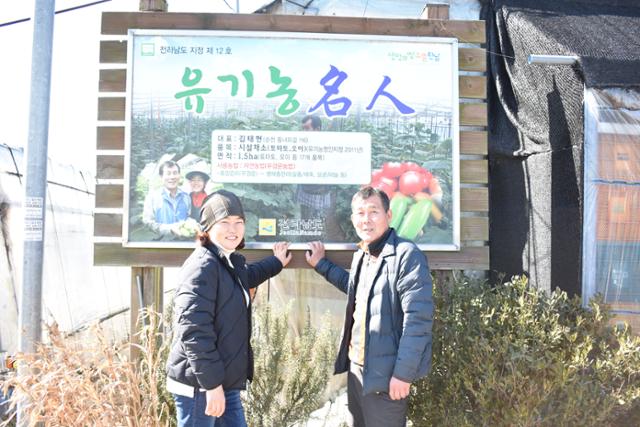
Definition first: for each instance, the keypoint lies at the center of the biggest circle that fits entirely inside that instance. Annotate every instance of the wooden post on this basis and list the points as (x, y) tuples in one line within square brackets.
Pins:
[(153, 5), (146, 294), (443, 278), (435, 11), (146, 282)]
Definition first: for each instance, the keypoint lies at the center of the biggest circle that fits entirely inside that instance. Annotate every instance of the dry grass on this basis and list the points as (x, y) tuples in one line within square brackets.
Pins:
[(94, 384)]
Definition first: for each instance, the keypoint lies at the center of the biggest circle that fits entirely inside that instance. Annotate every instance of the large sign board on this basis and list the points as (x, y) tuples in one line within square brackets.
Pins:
[(294, 124)]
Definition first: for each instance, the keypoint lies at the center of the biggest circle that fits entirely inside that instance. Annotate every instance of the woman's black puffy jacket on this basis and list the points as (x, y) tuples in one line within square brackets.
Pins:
[(212, 323)]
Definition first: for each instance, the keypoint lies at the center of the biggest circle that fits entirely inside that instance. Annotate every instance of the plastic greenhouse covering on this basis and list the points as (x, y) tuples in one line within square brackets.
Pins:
[(75, 293), (611, 243)]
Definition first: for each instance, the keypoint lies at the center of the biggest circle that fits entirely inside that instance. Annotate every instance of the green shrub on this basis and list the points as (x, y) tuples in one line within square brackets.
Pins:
[(509, 355), (291, 373)]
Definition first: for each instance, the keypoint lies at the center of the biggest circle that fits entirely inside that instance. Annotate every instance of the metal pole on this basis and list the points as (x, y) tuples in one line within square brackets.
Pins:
[(237, 6), (35, 186), (553, 59)]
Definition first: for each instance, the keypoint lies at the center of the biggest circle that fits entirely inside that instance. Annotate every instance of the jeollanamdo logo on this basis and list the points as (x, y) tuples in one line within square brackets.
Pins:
[(147, 49), (266, 227)]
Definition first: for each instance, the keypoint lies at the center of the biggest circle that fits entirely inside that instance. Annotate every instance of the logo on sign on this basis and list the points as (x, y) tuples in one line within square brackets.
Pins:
[(148, 49), (266, 227)]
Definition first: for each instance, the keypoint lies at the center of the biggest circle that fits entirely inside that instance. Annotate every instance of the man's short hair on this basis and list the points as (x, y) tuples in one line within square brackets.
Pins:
[(168, 164), (366, 192), (316, 123)]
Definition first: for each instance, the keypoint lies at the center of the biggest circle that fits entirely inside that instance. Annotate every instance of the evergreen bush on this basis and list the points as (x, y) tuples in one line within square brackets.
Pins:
[(509, 355), (291, 373)]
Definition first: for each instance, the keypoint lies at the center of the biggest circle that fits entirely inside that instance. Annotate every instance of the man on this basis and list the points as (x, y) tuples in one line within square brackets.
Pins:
[(386, 340), (166, 207), (317, 200), (311, 123)]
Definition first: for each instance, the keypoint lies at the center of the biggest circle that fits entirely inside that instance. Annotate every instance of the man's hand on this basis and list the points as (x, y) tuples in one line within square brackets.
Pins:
[(398, 389), (316, 254), (280, 250), (215, 402)]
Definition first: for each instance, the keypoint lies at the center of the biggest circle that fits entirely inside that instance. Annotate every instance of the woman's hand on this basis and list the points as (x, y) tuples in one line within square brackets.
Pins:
[(281, 251), (215, 402)]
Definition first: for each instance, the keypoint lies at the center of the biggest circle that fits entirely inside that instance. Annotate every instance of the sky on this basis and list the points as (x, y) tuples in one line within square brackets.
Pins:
[(74, 76)]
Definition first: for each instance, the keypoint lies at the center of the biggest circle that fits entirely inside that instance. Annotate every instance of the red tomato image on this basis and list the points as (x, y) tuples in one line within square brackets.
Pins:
[(434, 187), (412, 182), (393, 169), (388, 185), (426, 179), (412, 166), (376, 174)]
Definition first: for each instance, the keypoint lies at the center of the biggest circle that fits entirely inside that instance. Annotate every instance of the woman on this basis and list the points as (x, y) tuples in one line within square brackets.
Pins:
[(197, 181), (211, 359)]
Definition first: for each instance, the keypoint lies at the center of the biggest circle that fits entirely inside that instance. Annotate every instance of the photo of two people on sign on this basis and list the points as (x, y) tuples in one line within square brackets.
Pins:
[(172, 203), (175, 195)]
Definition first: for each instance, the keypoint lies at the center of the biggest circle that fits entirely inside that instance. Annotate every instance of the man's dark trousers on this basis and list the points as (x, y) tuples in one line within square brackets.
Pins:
[(374, 409)]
